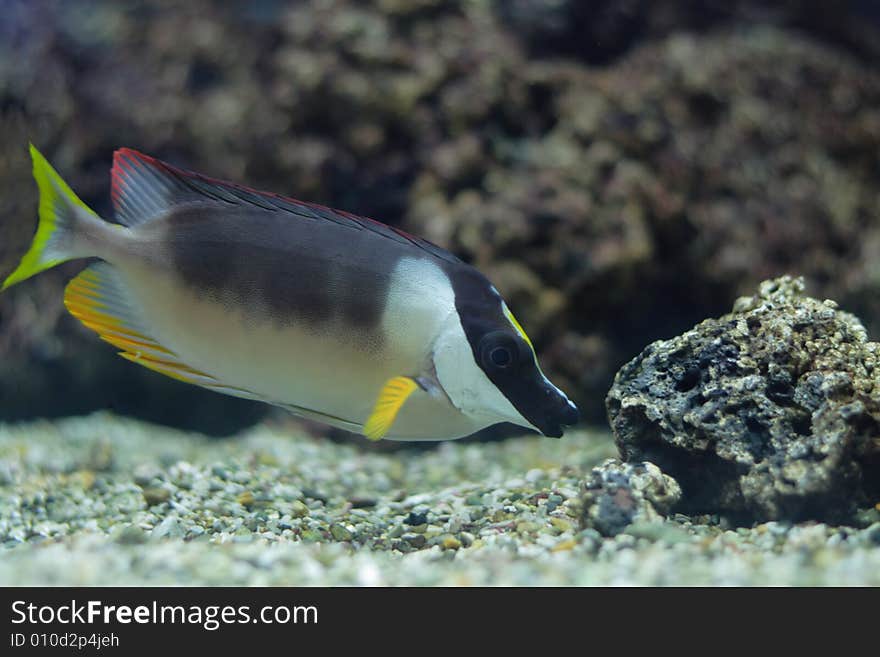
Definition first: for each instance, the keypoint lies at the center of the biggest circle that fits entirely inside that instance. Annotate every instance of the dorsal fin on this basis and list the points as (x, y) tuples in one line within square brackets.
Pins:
[(144, 188)]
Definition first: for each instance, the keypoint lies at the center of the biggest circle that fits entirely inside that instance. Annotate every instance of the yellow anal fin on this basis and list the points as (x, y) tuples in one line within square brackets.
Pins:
[(98, 300), (394, 394), (95, 303), (135, 347), (170, 369)]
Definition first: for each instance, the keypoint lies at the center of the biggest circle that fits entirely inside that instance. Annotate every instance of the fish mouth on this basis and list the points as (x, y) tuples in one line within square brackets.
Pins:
[(555, 431), (555, 422)]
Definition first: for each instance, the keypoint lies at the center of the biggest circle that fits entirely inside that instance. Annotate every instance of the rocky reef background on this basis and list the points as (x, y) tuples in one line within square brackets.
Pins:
[(621, 170)]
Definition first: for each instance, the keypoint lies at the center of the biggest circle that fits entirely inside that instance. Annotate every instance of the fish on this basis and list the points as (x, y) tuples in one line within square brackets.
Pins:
[(332, 316)]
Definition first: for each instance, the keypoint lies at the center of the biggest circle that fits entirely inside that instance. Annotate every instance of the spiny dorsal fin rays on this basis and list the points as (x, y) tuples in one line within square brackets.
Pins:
[(394, 394), (144, 188)]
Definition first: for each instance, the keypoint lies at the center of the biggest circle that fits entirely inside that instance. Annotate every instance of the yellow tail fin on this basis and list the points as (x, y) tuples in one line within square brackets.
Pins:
[(59, 211)]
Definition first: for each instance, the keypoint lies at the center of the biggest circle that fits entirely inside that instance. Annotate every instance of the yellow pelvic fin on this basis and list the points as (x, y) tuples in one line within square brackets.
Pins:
[(394, 394)]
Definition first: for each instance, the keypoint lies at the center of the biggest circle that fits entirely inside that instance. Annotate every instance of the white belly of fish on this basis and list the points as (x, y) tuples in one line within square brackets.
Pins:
[(330, 370)]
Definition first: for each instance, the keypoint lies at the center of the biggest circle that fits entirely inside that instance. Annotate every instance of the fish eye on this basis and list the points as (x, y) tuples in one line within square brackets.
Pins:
[(499, 351), (500, 356)]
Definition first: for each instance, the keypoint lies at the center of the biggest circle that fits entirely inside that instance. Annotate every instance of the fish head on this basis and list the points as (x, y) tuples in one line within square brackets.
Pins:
[(487, 366)]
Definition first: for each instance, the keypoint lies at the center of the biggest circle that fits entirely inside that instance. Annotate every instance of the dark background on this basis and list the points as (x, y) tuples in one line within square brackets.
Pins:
[(621, 170)]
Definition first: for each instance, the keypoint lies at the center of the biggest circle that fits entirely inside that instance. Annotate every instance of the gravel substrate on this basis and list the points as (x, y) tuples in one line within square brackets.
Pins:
[(103, 500)]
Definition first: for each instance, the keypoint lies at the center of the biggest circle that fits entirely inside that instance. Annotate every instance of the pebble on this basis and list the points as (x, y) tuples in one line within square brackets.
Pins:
[(154, 496), (449, 542), (416, 518), (145, 473), (298, 509), (312, 535), (340, 533), (560, 524), (131, 535), (564, 545), (246, 499), (168, 528)]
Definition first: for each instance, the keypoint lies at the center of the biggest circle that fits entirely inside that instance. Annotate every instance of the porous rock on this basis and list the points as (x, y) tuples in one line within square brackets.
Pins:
[(769, 412), (616, 494)]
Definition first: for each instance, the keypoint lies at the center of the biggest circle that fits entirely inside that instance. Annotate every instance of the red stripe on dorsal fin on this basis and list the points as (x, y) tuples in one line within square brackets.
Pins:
[(145, 188)]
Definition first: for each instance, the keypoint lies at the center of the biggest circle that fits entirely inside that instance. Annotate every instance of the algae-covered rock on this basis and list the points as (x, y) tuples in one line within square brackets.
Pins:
[(771, 411), (616, 495)]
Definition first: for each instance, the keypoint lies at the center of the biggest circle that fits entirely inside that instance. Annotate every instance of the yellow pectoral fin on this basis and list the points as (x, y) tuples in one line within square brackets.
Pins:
[(394, 394)]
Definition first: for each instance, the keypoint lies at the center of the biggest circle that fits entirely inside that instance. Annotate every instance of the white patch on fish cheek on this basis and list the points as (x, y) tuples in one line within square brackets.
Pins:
[(419, 297), (467, 386)]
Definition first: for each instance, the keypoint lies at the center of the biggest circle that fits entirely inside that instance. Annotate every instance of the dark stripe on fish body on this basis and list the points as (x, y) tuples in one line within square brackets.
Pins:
[(303, 270)]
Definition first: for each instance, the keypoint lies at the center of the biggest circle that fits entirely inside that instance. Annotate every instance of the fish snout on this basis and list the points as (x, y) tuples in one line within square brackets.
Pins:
[(562, 415), (570, 414)]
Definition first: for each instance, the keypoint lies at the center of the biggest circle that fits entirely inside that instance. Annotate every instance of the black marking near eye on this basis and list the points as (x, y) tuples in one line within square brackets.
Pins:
[(488, 330)]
